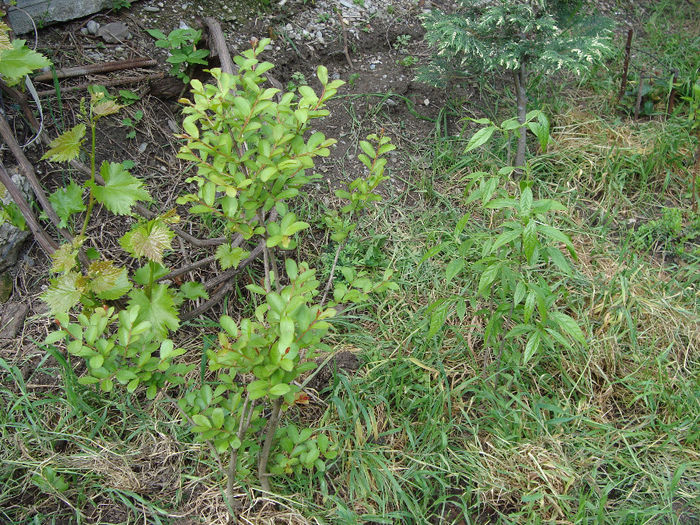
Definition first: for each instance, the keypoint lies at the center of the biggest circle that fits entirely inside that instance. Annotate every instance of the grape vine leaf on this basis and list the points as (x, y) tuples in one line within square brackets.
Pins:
[(159, 309), (121, 190), (66, 201), (66, 146), (64, 259), (229, 256), (191, 290), (18, 61), (148, 239), (107, 280), (63, 293)]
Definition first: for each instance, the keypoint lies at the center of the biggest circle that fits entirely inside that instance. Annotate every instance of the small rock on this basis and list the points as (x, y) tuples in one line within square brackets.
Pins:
[(426, 102), (373, 67), (13, 319), (391, 102), (142, 147), (151, 9), (160, 4), (119, 49), (335, 76), (92, 27), (84, 30), (114, 32)]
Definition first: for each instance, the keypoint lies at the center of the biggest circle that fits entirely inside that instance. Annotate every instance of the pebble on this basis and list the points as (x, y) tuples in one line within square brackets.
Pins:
[(426, 102), (151, 9), (373, 66), (142, 147), (160, 4), (114, 32), (92, 27)]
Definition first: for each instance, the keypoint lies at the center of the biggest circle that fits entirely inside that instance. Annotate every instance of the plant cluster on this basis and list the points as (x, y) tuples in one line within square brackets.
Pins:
[(182, 46), (252, 148)]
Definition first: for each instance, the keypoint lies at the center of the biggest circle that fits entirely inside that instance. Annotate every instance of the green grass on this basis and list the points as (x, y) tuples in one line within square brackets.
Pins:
[(606, 433)]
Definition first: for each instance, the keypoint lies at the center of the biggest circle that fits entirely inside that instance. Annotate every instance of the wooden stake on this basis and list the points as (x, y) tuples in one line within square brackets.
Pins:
[(625, 69)]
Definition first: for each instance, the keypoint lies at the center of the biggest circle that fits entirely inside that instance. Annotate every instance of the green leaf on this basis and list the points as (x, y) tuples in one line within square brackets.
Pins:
[(217, 417), (568, 325), (66, 146), (526, 202), (66, 201), (63, 293), (159, 310), (558, 236), (65, 258), (533, 344), (192, 290), (18, 61), (121, 190), (530, 240), (488, 276), (148, 239), (286, 332), (453, 268), (479, 138), (108, 281), (280, 389), (230, 256), (505, 238)]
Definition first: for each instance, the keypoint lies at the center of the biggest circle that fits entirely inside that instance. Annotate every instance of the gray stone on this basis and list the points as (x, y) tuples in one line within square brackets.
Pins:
[(151, 9), (48, 11), (92, 27), (114, 32), (11, 237)]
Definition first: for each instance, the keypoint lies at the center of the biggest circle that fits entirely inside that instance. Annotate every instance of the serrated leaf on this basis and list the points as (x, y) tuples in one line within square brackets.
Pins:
[(530, 240), (230, 256), (568, 325), (533, 344), (121, 190), (488, 276), (191, 290), (66, 146), (479, 138), (66, 201), (64, 259), (106, 107), (63, 293), (453, 268), (18, 61), (148, 239), (159, 310), (107, 280)]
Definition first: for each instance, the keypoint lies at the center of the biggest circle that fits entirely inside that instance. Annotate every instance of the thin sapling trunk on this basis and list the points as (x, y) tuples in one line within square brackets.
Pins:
[(520, 78)]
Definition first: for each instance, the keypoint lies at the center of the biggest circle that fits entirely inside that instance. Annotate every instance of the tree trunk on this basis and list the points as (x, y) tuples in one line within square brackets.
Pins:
[(520, 78)]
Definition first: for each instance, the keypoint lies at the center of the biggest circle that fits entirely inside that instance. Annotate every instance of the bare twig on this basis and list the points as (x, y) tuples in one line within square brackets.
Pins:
[(46, 242), (225, 279), (625, 68), (330, 277), (191, 422), (106, 67), (28, 171), (345, 38), (638, 103), (244, 423), (106, 83), (269, 435)]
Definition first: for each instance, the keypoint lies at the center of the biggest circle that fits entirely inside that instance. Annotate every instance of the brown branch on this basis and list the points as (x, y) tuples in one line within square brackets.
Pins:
[(46, 242), (107, 83), (106, 67), (345, 38), (625, 68), (638, 103), (269, 435), (225, 279), (28, 171)]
